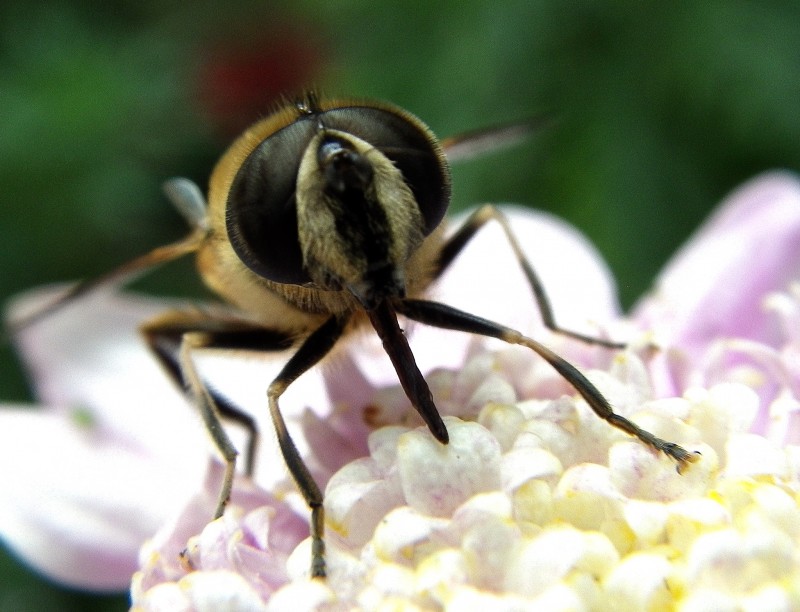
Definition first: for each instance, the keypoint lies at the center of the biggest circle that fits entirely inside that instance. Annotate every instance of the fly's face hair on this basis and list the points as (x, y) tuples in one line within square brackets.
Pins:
[(323, 216)]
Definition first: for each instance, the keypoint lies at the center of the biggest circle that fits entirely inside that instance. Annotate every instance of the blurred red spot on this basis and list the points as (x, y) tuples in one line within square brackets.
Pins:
[(239, 83)]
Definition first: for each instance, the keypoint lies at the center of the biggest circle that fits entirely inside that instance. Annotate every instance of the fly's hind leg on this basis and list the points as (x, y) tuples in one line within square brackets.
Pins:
[(173, 337), (467, 231)]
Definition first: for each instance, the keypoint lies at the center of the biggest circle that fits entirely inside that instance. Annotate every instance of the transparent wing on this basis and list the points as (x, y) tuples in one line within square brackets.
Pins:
[(480, 142)]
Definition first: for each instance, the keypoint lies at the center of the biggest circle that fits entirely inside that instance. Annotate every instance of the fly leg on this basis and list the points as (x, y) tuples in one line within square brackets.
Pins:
[(315, 347), (446, 317), (467, 231), (174, 337)]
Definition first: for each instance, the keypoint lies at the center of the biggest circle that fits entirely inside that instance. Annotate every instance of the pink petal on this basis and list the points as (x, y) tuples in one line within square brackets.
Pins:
[(716, 285), (253, 540), (90, 355), (75, 504)]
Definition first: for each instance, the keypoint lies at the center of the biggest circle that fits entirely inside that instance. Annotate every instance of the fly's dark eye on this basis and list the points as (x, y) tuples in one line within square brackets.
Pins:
[(261, 211)]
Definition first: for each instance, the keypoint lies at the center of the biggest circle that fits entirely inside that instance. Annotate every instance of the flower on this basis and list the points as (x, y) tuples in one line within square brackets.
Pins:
[(726, 307), (115, 450), (98, 469), (535, 501), (246, 549)]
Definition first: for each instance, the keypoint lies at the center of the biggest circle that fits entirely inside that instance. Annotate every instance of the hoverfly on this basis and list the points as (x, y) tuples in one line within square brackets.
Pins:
[(324, 217)]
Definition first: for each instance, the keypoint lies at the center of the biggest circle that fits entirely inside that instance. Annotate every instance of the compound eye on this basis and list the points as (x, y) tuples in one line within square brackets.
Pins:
[(261, 211)]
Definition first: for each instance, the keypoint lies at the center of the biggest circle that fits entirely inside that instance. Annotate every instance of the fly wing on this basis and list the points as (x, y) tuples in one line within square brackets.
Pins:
[(189, 201), (480, 142)]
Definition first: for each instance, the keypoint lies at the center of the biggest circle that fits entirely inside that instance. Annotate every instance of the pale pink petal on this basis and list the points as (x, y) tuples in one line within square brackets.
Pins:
[(77, 505), (90, 355), (118, 447), (716, 285), (252, 540)]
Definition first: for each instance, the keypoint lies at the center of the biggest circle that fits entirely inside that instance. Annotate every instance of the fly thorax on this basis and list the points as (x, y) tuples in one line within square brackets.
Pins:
[(358, 220)]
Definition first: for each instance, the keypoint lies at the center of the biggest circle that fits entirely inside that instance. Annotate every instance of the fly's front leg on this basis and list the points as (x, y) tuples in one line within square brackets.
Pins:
[(315, 347), (384, 320), (447, 317), (210, 413), (467, 231), (173, 337)]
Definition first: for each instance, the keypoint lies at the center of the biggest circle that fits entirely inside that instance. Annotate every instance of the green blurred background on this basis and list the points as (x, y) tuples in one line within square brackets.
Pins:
[(661, 109)]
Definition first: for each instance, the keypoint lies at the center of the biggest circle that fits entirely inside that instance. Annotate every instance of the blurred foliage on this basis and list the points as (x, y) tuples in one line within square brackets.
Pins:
[(659, 110)]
